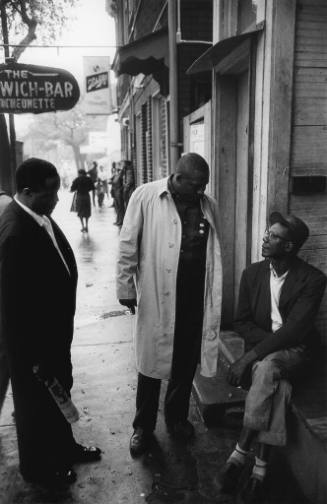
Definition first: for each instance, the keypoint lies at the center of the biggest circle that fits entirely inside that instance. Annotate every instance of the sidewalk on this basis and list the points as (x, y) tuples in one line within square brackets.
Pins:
[(104, 392)]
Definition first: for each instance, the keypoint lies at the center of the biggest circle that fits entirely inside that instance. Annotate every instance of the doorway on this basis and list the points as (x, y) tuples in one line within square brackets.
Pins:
[(241, 245), (234, 167)]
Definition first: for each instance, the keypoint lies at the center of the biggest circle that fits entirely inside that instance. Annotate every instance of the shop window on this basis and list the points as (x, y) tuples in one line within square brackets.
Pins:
[(308, 185)]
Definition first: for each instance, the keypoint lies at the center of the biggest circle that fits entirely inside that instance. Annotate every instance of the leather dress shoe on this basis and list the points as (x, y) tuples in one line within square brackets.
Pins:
[(181, 430), (254, 491), (84, 454), (229, 477), (139, 442), (62, 477)]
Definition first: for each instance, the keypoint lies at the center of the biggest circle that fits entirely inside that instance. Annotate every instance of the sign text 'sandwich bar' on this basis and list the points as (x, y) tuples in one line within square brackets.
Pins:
[(35, 89)]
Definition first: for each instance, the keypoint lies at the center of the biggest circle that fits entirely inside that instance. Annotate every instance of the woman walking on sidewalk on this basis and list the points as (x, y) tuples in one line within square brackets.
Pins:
[(82, 185)]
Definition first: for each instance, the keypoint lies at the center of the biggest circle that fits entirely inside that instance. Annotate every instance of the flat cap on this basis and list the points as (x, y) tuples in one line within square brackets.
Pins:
[(298, 230)]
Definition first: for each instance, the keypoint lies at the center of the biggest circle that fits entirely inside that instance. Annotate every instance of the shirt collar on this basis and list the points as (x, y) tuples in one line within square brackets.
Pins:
[(163, 187), (273, 272), (38, 218)]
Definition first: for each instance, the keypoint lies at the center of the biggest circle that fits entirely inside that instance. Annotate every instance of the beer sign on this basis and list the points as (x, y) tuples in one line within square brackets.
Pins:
[(97, 81), (36, 89), (98, 93)]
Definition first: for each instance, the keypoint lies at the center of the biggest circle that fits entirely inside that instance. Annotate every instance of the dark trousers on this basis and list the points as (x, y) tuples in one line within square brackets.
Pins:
[(186, 352), (45, 438), (4, 375), (119, 205)]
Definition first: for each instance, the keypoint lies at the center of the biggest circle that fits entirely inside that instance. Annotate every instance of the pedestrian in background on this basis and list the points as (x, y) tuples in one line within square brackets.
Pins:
[(93, 174), (5, 199), (100, 192), (103, 177), (128, 181), (169, 255), (117, 190), (113, 172), (82, 186), (38, 279)]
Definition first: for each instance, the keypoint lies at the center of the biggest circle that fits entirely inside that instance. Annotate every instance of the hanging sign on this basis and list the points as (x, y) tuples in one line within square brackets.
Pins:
[(98, 93), (36, 89)]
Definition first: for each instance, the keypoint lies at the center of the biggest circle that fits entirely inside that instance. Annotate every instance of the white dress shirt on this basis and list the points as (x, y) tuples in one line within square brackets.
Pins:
[(43, 221), (276, 284)]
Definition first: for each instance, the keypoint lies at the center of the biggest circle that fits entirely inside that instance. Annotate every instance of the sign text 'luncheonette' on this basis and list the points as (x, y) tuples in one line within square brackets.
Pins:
[(35, 89)]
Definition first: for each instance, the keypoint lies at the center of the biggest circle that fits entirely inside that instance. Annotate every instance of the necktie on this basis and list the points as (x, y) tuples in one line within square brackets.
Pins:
[(48, 227)]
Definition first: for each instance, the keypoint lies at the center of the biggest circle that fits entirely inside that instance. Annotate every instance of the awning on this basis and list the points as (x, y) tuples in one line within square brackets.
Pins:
[(217, 52), (146, 55)]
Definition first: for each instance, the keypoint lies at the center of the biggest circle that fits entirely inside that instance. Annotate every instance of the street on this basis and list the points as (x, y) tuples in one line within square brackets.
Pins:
[(104, 392)]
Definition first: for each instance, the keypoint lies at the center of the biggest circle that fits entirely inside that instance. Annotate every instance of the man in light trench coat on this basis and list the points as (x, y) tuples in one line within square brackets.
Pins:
[(170, 266)]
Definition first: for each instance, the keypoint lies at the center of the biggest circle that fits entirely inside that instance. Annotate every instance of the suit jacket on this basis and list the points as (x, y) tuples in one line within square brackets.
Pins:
[(37, 295), (299, 302), (37, 306)]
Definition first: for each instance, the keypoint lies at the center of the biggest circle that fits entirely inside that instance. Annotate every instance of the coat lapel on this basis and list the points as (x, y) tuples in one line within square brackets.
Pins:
[(65, 249), (40, 234), (264, 295), (292, 284)]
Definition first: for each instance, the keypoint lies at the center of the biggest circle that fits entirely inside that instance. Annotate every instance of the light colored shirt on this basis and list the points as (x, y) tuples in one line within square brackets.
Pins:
[(43, 221), (276, 284)]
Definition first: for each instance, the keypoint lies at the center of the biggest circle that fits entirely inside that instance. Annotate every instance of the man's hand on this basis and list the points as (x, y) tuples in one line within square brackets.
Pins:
[(43, 373), (130, 303), (237, 370)]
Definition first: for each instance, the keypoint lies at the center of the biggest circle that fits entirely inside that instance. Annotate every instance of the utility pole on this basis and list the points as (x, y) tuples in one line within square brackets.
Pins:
[(12, 132), (173, 84)]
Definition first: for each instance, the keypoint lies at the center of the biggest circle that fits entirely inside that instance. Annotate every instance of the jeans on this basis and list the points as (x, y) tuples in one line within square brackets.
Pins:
[(270, 392)]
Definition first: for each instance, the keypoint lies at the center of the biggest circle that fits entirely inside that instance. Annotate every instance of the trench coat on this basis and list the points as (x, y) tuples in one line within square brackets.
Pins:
[(148, 257)]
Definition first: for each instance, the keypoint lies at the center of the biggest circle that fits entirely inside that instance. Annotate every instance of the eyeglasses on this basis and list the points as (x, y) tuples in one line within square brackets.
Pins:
[(273, 236)]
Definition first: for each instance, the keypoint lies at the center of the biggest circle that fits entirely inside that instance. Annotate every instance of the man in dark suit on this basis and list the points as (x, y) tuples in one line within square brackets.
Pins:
[(278, 302), (38, 278), (5, 199)]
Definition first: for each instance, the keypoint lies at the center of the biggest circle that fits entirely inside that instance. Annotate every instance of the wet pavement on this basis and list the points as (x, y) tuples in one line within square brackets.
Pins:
[(104, 392)]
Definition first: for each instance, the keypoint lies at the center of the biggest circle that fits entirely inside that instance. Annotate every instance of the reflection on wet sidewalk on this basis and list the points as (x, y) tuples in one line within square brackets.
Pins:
[(95, 254)]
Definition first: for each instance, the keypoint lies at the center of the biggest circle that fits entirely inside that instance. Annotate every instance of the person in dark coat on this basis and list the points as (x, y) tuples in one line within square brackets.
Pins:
[(82, 185), (117, 192), (128, 181), (278, 302), (5, 199), (38, 279)]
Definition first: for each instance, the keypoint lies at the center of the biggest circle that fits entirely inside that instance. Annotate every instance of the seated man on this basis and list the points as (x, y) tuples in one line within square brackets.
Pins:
[(278, 301)]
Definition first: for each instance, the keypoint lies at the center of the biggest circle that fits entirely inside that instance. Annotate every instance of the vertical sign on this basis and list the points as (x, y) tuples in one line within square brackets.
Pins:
[(197, 139), (98, 96)]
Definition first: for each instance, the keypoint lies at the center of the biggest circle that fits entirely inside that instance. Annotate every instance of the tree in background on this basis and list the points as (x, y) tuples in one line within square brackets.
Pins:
[(31, 19), (67, 128)]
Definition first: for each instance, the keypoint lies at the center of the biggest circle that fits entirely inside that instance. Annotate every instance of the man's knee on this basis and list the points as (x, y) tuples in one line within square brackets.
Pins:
[(265, 369)]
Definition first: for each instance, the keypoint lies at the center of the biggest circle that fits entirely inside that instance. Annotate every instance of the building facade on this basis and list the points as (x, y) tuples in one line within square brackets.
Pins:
[(251, 98), (145, 66)]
